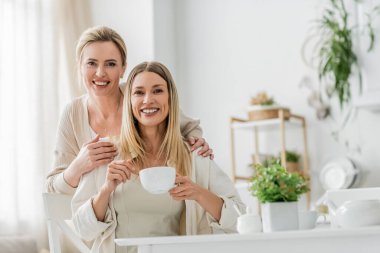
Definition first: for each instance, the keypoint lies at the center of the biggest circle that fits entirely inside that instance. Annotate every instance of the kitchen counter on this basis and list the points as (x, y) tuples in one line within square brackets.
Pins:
[(320, 240)]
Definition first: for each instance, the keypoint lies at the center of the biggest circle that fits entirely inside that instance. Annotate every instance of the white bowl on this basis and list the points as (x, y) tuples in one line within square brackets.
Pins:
[(157, 180)]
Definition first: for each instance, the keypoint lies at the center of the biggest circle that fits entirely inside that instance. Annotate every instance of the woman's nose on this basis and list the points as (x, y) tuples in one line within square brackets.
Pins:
[(100, 71), (147, 98)]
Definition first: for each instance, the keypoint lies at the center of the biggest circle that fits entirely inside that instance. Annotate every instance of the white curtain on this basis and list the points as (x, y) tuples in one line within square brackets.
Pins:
[(37, 77)]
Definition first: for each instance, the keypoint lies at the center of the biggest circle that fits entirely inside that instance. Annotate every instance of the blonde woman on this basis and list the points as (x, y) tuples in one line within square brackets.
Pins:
[(111, 203), (102, 59)]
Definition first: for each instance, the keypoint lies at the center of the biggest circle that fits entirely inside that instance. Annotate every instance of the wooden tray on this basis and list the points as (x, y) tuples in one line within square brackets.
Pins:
[(266, 112)]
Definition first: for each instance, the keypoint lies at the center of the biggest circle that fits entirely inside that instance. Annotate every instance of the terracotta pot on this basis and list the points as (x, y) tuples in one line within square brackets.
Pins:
[(293, 167)]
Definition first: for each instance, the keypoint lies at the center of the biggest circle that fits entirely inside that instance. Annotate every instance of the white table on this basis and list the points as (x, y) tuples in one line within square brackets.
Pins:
[(321, 240)]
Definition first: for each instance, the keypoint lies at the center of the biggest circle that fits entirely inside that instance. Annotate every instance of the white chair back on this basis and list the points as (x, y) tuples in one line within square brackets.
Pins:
[(57, 211)]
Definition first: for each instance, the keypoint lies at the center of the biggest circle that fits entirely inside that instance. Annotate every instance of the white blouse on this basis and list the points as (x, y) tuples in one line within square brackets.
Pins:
[(134, 206)]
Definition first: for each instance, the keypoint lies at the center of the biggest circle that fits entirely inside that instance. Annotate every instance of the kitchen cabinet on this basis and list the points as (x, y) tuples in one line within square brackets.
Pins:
[(366, 239), (281, 123)]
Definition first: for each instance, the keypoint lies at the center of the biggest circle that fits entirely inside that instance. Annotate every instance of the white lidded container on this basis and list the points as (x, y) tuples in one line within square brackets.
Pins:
[(249, 223)]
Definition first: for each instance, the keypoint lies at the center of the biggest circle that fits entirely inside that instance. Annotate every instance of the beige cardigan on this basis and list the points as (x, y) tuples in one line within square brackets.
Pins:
[(205, 172), (74, 131)]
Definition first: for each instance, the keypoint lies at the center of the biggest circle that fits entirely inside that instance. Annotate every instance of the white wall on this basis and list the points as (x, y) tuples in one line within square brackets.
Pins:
[(165, 44), (229, 51), (222, 52), (133, 20)]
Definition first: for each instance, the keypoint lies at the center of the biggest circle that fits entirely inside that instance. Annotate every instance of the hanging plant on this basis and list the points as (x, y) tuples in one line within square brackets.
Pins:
[(336, 56)]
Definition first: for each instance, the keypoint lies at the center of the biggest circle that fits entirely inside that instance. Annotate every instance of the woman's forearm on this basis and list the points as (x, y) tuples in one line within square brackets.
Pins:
[(100, 203), (72, 175), (211, 203)]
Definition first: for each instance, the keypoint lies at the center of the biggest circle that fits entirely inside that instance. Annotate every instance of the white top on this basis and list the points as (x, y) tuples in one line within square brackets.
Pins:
[(134, 206)]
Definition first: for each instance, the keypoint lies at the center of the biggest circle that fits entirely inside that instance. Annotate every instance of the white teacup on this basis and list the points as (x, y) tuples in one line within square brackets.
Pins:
[(307, 219), (157, 180), (105, 139)]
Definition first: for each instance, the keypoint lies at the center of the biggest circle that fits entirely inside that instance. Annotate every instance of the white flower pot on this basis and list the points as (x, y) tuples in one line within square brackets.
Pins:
[(279, 216)]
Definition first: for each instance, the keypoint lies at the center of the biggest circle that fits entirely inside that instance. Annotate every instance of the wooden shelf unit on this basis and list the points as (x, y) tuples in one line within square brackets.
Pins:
[(280, 123)]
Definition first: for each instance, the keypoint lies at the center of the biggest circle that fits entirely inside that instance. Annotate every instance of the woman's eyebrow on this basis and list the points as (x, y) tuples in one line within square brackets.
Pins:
[(154, 86), (108, 60)]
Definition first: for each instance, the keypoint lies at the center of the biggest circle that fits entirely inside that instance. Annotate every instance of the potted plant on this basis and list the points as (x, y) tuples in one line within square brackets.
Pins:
[(262, 98), (292, 161), (264, 107), (337, 59), (278, 192)]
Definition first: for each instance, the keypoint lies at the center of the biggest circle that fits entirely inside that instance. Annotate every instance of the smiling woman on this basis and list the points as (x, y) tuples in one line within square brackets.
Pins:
[(112, 203)]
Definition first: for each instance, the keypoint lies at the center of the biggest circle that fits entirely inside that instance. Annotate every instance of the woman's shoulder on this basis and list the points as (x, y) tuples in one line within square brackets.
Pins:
[(73, 114), (122, 86), (205, 164), (201, 164), (75, 107), (77, 102)]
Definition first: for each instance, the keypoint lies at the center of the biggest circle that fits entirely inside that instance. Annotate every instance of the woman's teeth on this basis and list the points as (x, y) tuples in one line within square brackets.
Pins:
[(101, 83), (149, 110)]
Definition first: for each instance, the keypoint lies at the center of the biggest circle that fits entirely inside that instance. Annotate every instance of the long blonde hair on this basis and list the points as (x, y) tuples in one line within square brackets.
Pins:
[(173, 148)]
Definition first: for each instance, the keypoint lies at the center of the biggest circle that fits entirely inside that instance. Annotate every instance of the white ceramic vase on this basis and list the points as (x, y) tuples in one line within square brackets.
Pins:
[(279, 216)]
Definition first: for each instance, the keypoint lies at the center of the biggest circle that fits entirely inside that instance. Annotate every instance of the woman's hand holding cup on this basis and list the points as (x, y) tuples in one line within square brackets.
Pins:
[(117, 172), (95, 153), (185, 189)]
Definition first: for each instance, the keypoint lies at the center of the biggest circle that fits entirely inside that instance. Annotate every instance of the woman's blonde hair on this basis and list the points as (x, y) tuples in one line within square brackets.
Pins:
[(173, 149), (100, 34)]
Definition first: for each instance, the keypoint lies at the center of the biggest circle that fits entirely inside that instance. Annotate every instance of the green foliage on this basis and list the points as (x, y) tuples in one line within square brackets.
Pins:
[(270, 161), (292, 156), (275, 184), (270, 101), (262, 98), (337, 57)]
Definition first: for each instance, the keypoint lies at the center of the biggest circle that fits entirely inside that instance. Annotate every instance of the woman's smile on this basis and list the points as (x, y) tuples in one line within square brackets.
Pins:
[(100, 83), (150, 99), (149, 111)]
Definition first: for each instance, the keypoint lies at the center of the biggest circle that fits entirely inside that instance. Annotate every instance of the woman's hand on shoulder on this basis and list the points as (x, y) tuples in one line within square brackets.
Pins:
[(196, 142), (185, 189), (117, 172), (95, 153)]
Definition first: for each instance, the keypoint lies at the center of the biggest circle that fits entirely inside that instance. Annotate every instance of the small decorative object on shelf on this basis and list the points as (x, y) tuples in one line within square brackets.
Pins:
[(278, 192), (264, 107), (292, 161), (262, 99)]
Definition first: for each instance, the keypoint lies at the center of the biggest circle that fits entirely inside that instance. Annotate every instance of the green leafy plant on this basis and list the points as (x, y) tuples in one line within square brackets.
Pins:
[(336, 53), (292, 156), (274, 184), (262, 98)]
